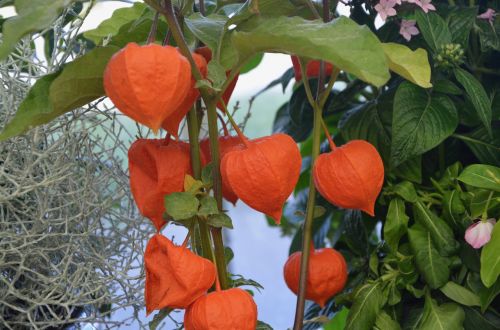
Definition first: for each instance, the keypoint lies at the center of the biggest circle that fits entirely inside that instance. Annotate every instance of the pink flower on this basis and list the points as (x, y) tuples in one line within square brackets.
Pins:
[(488, 15), (479, 233), (408, 29), (426, 5), (385, 8)]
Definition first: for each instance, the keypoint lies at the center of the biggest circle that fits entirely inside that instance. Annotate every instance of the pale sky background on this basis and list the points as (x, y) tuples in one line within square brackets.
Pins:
[(260, 251)]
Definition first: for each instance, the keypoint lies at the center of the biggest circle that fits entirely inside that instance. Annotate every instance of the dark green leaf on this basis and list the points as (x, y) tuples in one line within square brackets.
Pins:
[(441, 233), (420, 122), (485, 149), (263, 326), (441, 317), (453, 209), (338, 321), (477, 95), (460, 23), (220, 220), (433, 29), (32, 16), (208, 206), (486, 295), (79, 83), (410, 170), (490, 258), (351, 47), (489, 35), (181, 205), (460, 294), (431, 265), (396, 223), (252, 63), (206, 174), (481, 176), (368, 301), (283, 124), (228, 254), (446, 87), (406, 190), (355, 234), (474, 320), (480, 199), (385, 322)]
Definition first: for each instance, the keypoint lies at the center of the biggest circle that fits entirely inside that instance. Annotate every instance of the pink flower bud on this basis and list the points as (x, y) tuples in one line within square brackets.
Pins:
[(479, 233)]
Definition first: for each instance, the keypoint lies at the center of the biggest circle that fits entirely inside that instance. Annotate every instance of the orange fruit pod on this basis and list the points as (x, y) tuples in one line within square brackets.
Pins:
[(312, 68), (157, 167), (207, 54), (148, 83), (227, 144), (175, 276), (172, 122), (229, 309), (264, 173), (350, 176), (327, 274)]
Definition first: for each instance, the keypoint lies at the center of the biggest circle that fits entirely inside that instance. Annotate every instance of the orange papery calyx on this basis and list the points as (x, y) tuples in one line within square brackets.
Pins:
[(148, 83), (313, 68), (350, 176), (207, 54), (157, 168), (264, 173), (175, 276), (327, 274), (172, 122), (232, 309)]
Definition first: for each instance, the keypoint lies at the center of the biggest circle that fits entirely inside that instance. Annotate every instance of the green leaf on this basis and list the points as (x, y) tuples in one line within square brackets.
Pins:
[(349, 46), (181, 205), (489, 35), (111, 26), (283, 123), (480, 199), (453, 209), (441, 233), (487, 150), (206, 174), (263, 326), (430, 264), (396, 223), (481, 176), (474, 319), (487, 295), (220, 220), (410, 170), (368, 301), (406, 190), (252, 63), (477, 95), (490, 258), (79, 83), (385, 322), (441, 317), (420, 122), (460, 294), (460, 22), (446, 87), (208, 206), (433, 29), (338, 321), (32, 16), (411, 65), (216, 74)]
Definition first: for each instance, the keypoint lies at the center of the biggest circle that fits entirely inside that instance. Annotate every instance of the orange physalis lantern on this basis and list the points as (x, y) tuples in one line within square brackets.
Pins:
[(207, 54), (229, 309), (350, 176), (175, 276), (171, 123), (148, 83), (264, 173), (227, 144), (327, 274), (312, 68), (157, 168)]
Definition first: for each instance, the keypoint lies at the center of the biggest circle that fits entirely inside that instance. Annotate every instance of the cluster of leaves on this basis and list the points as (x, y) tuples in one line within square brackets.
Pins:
[(410, 267)]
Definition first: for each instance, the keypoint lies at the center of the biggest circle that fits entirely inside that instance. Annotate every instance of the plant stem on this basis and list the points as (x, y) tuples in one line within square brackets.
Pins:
[(210, 101)]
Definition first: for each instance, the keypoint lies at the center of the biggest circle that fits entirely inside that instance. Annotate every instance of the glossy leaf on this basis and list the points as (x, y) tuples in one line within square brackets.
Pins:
[(32, 16), (441, 233), (396, 223), (368, 301), (477, 95), (181, 205), (433, 29), (441, 317), (490, 258), (79, 83), (460, 294), (349, 46), (420, 122), (411, 65), (431, 265), (481, 176)]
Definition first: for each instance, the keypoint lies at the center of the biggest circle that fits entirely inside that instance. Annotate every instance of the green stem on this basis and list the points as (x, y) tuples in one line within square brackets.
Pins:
[(484, 216)]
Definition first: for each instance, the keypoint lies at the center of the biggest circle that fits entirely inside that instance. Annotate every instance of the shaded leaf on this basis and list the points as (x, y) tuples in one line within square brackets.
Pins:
[(441, 317), (460, 294), (368, 301), (396, 223), (385, 322), (490, 258), (433, 29)]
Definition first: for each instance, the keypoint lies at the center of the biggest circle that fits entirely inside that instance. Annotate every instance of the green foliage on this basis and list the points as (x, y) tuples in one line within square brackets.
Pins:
[(490, 258), (411, 65)]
